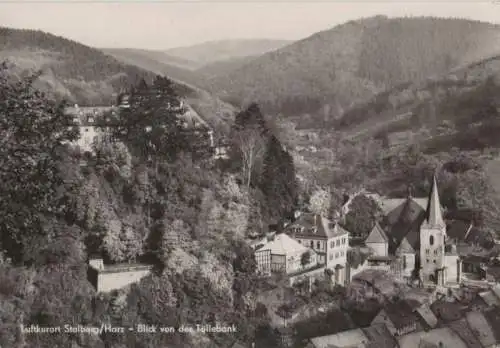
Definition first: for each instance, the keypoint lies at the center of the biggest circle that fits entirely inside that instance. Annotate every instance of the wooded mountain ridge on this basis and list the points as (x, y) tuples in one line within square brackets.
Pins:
[(87, 76), (332, 70)]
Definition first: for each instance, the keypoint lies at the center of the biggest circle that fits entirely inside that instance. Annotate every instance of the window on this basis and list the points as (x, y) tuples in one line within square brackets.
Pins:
[(434, 261), (338, 242), (436, 251), (431, 240), (312, 244), (332, 244), (427, 251), (318, 245), (336, 255), (300, 241), (404, 261)]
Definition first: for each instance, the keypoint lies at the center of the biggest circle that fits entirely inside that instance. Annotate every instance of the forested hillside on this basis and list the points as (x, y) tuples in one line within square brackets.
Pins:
[(139, 198), (333, 69), (77, 72), (459, 109)]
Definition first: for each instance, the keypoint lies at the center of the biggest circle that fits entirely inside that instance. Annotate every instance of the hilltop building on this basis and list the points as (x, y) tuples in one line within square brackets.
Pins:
[(88, 119), (414, 240)]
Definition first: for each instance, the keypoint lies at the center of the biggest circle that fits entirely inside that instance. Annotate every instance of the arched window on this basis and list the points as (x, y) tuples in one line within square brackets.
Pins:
[(431, 240)]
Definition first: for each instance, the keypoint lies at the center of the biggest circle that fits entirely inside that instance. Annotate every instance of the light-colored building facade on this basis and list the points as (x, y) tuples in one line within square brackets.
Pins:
[(283, 254), (328, 239)]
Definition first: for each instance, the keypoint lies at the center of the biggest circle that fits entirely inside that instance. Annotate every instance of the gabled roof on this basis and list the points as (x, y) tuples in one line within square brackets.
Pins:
[(283, 245), (427, 316), (400, 314), (478, 323), (316, 226), (431, 339), (405, 221), (464, 331), (389, 204), (405, 247), (493, 317), (377, 235), (446, 311), (379, 336)]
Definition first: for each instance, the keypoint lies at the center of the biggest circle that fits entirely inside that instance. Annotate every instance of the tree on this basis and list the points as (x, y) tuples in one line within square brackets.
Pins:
[(279, 182), (362, 215), (152, 125), (33, 128), (305, 259), (320, 201), (250, 145)]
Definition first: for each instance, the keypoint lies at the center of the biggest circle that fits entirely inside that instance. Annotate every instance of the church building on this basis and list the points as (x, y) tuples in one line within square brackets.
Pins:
[(414, 239)]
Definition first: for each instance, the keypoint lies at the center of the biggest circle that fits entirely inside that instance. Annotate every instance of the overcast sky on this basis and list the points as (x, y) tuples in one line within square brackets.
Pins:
[(162, 25)]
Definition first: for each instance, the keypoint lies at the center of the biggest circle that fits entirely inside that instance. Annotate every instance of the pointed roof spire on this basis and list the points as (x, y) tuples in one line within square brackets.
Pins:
[(434, 213)]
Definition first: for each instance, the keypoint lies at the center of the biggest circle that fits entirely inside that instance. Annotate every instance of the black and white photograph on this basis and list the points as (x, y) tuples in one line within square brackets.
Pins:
[(249, 174)]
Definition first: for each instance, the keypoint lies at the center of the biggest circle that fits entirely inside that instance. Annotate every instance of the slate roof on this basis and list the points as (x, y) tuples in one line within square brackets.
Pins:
[(432, 338), (405, 221), (315, 226), (377, 235), (379, 337), (446, 311), (400, 314), (480, 325), (493, 317), (389, 204), (465, 332)]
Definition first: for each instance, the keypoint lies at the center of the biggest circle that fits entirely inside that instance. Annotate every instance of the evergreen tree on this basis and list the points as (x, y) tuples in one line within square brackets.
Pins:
[(152, 124), (279, 183), (32, 130)]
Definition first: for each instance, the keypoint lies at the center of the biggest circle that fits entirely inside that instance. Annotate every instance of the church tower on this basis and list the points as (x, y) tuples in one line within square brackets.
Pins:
[(432, 240)]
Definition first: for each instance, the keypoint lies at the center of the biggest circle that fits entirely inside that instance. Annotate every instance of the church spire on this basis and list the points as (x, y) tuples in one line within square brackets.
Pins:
[(434, 213)]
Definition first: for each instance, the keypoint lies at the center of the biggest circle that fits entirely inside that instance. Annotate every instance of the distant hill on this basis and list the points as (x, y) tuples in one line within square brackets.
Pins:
[(159, 63), (460, 109), (158, 56), (332, 70), (222, 67), (87, 76), (71, 70), (213, 51)]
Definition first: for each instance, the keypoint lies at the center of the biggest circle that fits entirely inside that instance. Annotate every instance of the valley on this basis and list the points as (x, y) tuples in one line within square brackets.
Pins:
[(340, 189)]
